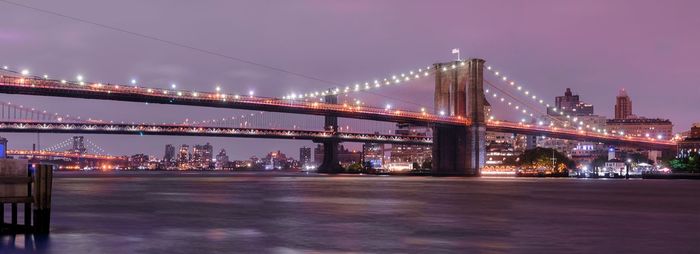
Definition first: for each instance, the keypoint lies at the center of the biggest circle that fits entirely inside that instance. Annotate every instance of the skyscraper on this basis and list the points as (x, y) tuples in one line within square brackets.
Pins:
[(184, 154), (169, 155), (305, 156), (623, 105), (202, 155), (570, 104), (222, 160)]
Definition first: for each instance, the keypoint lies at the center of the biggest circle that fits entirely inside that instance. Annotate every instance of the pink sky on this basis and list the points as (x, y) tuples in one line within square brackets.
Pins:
[(651, 48)]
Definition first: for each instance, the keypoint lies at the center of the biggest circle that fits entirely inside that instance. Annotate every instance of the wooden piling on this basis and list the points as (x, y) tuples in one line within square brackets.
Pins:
[(20, 184), (42, 198)]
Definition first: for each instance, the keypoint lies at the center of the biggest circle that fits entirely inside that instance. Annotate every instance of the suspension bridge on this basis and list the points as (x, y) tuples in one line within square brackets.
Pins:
[(459, 121)]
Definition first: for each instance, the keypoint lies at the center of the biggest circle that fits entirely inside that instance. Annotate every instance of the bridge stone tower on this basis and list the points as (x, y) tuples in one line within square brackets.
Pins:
[(330, 162), (459, 91)]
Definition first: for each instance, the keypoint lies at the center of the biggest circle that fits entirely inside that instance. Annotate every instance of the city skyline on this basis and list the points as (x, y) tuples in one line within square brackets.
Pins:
[(361, 126), (76, 46)]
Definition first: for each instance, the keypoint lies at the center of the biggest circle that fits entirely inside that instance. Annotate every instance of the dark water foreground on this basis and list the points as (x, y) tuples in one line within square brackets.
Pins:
[(293, 213)]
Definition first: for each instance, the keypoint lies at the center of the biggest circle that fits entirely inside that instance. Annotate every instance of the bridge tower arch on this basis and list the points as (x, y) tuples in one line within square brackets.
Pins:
[(459, 91)]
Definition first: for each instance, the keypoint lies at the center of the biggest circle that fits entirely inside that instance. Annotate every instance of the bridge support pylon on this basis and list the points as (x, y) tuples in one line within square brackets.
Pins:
[(330, 163), (459, 91)]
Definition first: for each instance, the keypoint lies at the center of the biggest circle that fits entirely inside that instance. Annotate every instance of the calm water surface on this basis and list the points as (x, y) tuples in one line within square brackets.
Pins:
[(296, 213)]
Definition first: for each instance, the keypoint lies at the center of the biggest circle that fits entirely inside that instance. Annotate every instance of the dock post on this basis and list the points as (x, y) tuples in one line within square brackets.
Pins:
[(42, 198), (28, 206)]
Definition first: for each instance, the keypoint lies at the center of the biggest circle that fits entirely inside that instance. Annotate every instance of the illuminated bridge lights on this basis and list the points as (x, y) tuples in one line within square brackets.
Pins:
[(512, 83), (49, 87)]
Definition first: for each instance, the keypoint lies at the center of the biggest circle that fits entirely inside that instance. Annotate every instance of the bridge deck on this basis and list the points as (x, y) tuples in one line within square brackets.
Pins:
[(571, 134), (193, 130), (45, 87), (56, 88)]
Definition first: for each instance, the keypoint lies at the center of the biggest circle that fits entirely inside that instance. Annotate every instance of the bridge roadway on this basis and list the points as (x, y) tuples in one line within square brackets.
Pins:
[(317, 135), (194, 130), (572, 134), (10, 84), (64, 155)]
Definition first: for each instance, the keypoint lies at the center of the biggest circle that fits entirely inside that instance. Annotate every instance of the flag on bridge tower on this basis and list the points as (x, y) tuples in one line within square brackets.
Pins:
[(456, 51)]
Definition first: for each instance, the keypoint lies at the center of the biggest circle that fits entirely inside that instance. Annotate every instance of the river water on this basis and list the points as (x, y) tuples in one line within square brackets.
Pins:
[(298, 213)]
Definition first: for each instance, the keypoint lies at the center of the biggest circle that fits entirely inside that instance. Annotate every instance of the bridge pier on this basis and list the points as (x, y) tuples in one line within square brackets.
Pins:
[(330, 163), (459, 91)]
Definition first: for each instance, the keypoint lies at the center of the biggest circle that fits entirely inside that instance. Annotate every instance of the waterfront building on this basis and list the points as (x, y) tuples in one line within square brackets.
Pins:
[(500, 153), (626, 123), (277, 160), (202, 156), (373, 155), (169, 158), (222, 160), (613, 167), (623, 106), (500, 137), (305, 156), (642, 127), (690, 144), (586, 152), (183, 157), (139, 161), (570, 104), (346, 156), (411, 153), (560, 145)]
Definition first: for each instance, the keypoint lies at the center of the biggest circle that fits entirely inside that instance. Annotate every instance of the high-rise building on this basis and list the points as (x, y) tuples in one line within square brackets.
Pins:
[(623, 105), (691, 144), (277, 160), (139, 161), (570, 104), (222, 160), (305, 156), (169, 156), (78, 145), (202, 155), (183, 156)]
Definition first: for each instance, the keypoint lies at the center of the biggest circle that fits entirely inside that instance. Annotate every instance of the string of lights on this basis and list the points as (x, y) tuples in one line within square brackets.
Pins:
[(80, 80), (394, 79), (96, 148), (569, 119), (59, 145)]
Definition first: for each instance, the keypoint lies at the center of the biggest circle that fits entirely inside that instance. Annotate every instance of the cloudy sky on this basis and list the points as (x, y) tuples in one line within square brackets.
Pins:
[(651, 48)]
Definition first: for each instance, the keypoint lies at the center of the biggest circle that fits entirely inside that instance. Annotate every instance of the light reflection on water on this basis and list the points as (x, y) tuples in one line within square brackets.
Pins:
[(249, 213)]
